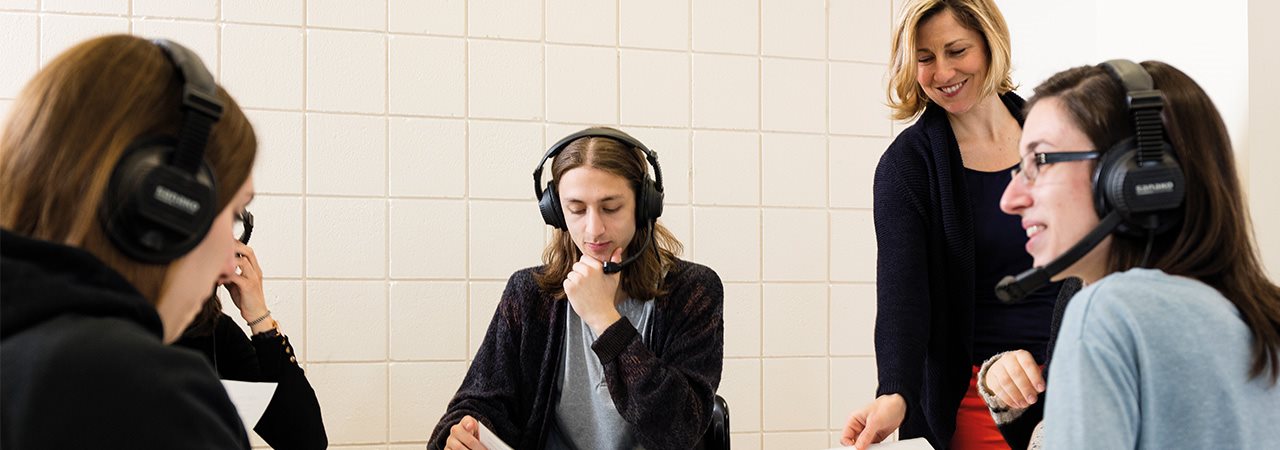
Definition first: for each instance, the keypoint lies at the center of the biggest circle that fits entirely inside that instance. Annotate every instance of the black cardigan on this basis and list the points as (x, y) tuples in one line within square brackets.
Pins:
[(292, 419), (84, 366), (663, 385), (925, 274)]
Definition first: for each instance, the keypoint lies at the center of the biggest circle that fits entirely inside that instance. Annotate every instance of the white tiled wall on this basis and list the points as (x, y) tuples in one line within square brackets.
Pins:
[(397, 138)]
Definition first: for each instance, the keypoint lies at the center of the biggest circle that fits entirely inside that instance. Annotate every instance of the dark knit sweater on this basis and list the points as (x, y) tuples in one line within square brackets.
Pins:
[(663, 387), (925, 274)]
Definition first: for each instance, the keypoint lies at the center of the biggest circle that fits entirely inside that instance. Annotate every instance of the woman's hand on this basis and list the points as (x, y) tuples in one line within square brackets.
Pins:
[(592, 292), (1015, 379), (246, 288), (464, 435), (874, 422)]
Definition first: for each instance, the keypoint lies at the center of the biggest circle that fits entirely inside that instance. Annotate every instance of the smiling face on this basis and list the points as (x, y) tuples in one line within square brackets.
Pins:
[(951, 62), (1057, 209), (599, 208)]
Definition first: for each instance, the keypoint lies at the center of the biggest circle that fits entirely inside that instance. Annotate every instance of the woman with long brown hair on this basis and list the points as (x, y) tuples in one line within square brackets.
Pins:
[(124, 165), (614, 342), (1175, 341)]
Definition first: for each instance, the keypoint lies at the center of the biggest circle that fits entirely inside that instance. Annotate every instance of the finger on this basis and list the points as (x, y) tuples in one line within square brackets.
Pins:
[(1022, 387), (590, 261), (852, 429), (617, 255), (1002, 393), (585, 268), (1032, 369), (250, 255), (867, 437)]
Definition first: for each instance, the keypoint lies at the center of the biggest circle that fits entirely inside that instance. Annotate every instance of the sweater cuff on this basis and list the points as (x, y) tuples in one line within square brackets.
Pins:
[(614, 340), (1001, 412)]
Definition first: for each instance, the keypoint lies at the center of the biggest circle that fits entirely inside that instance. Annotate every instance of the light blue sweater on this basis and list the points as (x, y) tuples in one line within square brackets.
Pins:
[(1149, 360)]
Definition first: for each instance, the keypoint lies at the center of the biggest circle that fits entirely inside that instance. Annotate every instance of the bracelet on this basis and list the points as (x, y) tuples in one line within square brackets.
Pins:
[(260, 319)]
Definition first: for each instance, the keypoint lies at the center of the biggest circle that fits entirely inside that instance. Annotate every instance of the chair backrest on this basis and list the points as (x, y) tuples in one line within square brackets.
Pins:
[(717, 435)]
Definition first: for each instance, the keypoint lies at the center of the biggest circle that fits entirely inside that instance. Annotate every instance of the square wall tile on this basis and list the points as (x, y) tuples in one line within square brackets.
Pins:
[(794, 28), (795, 95), (428, 76), (353, 401), (679, 221), (427, 157), (346, 154), (483, 302), (672, 147), (258, 11), (726, 168), (639, 17), (859, 30), (505, 19), (795, 394), (346, 237), (794, 170), (505, 78), (337, 308), (726, 91), (441, 17), (60, 32), (500, 157), (278, 166), (795, 439), (795, 245), (853, 320), (853, 246), (21, 61), (368, 15), (200, 37), (505, 236), (589, 22), (346, 71), (728, 241), (277, 235), (745, 441), (582, 84), (795, 319), (285, 299), (852, 166), (419, 394), (857, 99), (742, 320), (197, 9), (655, 88), (115, 7), (262, 66), (428, 320), (5, 105), (726, 26), (853, 385), (23, 5), (740, 387), (428, 238)]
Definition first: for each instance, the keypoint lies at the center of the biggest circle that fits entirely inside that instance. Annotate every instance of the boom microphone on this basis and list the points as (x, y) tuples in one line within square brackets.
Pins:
[(1012, 289), (611, 267)]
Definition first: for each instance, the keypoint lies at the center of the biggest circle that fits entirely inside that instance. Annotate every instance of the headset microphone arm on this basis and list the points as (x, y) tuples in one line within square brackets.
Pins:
[(1012, 289), (611, 267)]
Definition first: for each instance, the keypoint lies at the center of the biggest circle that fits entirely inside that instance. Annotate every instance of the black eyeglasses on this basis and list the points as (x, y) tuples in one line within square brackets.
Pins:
[(243, 226), (1030, 165)]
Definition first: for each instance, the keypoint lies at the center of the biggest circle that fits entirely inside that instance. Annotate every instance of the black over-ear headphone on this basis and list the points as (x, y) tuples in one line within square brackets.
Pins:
[(1139, 177), (649, 194), (162, 199)]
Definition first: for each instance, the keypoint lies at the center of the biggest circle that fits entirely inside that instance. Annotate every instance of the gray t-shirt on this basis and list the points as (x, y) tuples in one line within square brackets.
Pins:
[(1150, 360), (585, 416)]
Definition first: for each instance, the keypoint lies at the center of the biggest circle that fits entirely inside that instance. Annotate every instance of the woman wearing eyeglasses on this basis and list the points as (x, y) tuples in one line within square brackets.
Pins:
[(943, 242), (1175, 341), (292, 420)]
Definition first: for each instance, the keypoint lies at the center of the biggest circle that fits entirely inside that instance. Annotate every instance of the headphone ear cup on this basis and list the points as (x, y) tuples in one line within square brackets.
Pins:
[(549, 205), (1109, 176), (153, 212), (653, 201)]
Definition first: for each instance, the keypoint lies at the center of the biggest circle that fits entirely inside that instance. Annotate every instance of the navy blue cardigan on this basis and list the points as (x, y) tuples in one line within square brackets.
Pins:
[(925, 274)]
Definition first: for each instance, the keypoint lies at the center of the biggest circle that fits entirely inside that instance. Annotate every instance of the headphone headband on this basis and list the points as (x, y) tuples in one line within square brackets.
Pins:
[(604, 132), (1145, 106), (649, 192), (199, 102)]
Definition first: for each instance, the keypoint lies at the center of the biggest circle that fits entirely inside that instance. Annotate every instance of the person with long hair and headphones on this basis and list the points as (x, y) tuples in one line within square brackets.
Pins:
[(124, 168), (614, 342), (1128, 182)]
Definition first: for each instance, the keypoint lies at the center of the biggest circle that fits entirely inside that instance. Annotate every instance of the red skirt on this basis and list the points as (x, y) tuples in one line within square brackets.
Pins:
[(975, 429)]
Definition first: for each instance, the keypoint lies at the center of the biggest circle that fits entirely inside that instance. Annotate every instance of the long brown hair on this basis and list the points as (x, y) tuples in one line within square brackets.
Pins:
[(906, 96), (641, 279), (1214, 241), (71, 124)]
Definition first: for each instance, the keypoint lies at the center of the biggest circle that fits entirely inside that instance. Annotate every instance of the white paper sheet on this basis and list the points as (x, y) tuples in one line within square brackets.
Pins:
[(250, 399), (909, 444), (491, 440)]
